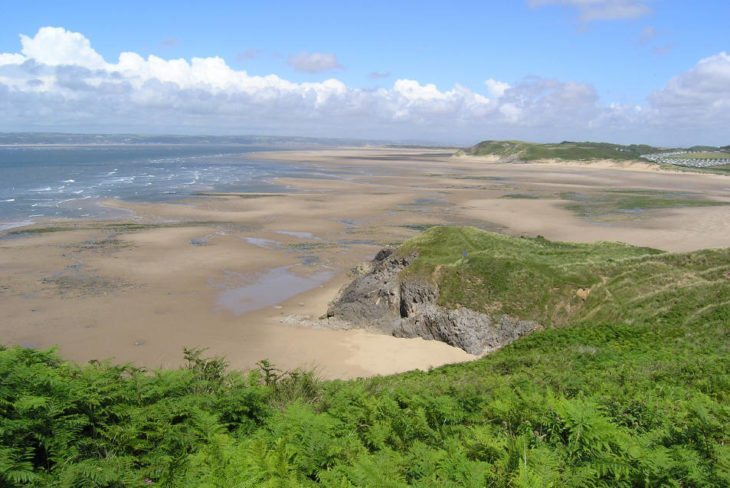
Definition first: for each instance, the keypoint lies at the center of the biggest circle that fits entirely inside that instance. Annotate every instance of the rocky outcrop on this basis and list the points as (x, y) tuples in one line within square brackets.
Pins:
[(379, 297)]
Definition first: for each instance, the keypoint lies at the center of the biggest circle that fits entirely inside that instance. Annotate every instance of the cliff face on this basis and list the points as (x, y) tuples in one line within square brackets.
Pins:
[(408, 307)]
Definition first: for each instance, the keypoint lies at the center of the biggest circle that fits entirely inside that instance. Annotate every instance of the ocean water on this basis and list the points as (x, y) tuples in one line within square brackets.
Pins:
[(41, 182)]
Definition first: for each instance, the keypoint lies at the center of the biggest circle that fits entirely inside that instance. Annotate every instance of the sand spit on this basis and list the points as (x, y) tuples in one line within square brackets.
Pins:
[(172, 276)]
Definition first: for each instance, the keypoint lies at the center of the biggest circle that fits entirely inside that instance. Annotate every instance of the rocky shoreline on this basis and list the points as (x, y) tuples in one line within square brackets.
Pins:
[(380, 298)]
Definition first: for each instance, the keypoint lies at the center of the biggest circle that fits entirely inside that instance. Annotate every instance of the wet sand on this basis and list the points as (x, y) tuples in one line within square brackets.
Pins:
[(248, 275)]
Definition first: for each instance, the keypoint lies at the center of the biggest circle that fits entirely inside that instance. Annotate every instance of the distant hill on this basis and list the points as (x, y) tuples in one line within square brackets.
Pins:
[(566, 150)]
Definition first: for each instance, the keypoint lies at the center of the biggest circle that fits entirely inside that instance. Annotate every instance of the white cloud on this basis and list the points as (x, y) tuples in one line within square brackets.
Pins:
[(58, 82), (698, 97), (11, 58), (590, 10), (496, 88), (539, 102), (414, 92), (314, 62), (54, 46)]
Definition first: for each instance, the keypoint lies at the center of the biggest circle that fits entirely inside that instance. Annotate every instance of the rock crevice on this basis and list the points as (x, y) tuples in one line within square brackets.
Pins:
[(380, 297)]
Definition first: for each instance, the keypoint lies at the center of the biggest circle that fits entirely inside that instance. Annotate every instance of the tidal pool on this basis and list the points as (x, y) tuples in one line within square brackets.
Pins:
[(261, 242), (297, 234), (269, 288)]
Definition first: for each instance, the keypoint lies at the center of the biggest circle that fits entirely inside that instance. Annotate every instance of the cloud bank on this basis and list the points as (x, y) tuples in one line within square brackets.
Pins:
[(57, 81)]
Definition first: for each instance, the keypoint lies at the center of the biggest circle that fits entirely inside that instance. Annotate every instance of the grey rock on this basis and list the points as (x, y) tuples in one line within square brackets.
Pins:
[(380, 298)]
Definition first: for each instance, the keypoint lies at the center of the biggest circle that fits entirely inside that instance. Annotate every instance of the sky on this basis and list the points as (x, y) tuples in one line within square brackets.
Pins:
[(456, 72)]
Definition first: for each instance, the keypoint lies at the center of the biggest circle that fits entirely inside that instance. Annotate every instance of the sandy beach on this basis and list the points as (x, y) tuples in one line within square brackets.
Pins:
[(247, 275)]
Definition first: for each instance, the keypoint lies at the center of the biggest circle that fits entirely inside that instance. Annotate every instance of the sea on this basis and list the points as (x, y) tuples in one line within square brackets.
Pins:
[(41, 182)]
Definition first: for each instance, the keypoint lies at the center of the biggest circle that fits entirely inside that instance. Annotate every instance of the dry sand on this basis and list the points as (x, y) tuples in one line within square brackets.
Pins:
[(247, 275)]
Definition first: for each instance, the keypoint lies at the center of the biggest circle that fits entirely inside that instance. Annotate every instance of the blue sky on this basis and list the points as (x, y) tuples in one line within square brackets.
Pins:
[(613, 60)]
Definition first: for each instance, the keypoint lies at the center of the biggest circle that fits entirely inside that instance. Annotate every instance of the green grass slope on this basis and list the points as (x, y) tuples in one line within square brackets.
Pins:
[(573, 151), (558, 283), (633, 389)]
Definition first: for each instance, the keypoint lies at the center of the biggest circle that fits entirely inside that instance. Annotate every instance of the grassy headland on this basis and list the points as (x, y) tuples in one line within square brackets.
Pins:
[(699, 158), (569, 151), (629, 385)]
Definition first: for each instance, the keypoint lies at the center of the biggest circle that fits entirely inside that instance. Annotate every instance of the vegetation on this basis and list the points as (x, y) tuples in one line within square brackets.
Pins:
[(521, 196), (511, 151), (617, 202), (36, 230), (119, 227), (632, 390), (533, 278), (573, 151), (724, 169), (707, 154)]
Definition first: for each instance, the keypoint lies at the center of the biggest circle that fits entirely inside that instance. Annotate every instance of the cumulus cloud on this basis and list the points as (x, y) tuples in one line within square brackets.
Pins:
[(496, 88), (55, 46), (58, 78), (11, 58), (57, 81), (590, 10), (700, 96), (314, 62)]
